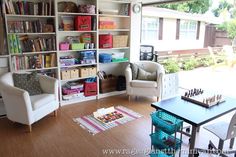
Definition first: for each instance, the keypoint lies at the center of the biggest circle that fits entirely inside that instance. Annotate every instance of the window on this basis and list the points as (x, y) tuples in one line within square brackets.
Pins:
[(150, 29), (188, 29)]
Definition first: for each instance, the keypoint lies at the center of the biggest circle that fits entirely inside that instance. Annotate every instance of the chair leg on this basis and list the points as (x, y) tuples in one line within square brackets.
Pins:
[(129, 97), (55, 113), (220, 146), (30, 128), (231, 143), (157, 99)]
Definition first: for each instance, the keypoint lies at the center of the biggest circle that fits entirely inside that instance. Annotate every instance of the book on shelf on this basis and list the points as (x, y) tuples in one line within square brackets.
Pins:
[(36, 26), (28, 7), (23, 44), (33, 61)]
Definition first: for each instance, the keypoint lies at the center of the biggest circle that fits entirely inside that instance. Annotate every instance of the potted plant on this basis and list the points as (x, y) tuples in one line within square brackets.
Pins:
[(171, 78)]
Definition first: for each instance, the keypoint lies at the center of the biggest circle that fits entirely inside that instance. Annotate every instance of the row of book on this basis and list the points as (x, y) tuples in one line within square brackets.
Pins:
[(28, 8), (20, 44), (34, 62), (37, 26)]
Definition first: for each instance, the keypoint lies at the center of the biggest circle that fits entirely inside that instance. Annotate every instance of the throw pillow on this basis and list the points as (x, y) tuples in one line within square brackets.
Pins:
[(134, 68), (144, 75), (28, 82)]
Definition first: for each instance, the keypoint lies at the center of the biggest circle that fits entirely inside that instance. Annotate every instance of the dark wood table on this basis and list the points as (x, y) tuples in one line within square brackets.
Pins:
[(194, 114)]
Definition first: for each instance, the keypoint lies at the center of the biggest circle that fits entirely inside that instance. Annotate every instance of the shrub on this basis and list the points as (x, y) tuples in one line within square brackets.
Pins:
[(189, 64), (171, 66)]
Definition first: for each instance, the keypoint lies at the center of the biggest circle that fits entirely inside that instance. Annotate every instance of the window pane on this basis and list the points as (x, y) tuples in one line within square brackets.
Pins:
[(150, 29), (188, 29)]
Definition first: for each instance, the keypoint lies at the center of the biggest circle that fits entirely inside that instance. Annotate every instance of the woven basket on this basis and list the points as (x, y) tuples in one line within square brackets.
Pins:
[(120, 41)]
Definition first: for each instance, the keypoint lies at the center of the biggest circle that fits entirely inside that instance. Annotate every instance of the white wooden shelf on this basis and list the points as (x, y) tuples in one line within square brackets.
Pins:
[(77, 100), (32, 53), (104, 95), (77, 31), (4, 56), (28, 16), (77, 65), (114, 30), (118, 48), (51, 33), (116, 1), (76, 79), (113, 62), (113, 15), (65, 51), (25, 70), (74, 14)]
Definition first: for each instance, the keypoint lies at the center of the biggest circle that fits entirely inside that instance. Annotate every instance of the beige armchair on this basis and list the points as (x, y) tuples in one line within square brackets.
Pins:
[(26, 109), (143, 87)]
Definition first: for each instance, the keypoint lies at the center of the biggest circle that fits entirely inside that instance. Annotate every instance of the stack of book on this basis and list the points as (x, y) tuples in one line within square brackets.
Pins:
[(19, 44), (33, 62), (28, 8), (72, 90)]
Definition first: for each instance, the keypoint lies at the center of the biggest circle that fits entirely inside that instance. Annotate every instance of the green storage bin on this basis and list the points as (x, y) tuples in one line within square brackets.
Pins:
[(77, 46), (163, 141), (166, 122), (120, 60)]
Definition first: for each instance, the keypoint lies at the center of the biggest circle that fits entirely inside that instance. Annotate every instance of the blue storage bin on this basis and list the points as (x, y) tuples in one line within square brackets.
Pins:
[(160, 154), (105, 58), (161, 140), (166, 122)]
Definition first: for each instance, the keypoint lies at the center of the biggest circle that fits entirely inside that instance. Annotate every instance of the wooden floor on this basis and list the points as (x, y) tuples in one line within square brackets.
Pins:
[(61, 137)]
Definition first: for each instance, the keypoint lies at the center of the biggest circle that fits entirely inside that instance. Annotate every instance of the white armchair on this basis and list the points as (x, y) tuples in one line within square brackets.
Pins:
[(26, 109), (143, 87)]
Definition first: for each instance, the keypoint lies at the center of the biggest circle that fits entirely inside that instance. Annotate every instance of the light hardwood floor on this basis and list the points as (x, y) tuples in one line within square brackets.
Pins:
[(61, 137)]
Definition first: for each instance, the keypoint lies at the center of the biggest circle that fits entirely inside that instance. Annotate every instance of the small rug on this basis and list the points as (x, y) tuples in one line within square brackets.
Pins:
[(93, 126)]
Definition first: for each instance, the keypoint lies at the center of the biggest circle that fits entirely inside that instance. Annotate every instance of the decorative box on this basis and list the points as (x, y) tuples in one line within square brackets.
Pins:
[(83, 72), (83, 23), (86, 38), (108, 84), (90, 88), (105, 41), (74, 73), (120, 41), (65, 74), (92, 71), (77, 46), (105, 58), (64, 46), (87, 8)]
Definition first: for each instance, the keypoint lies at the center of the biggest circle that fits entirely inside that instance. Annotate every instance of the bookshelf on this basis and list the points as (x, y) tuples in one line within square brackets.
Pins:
[(38, 33), (31, 36)]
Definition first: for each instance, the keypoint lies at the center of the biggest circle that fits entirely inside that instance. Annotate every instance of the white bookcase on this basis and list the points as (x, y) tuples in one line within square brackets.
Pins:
[(109, 9)]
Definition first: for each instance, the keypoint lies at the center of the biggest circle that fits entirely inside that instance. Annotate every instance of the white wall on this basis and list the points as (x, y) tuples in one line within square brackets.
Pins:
[(135, 33)]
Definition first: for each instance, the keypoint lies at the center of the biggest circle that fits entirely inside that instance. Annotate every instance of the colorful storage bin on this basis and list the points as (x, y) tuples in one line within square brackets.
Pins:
[(161, 140), (105, 41), (64, 46), (166, 122), (90, 88), (105, 58), (77, 46), (83, 23)]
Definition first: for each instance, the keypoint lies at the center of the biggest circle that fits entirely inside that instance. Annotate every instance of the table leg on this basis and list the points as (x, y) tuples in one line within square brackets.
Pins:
[(192, 141)]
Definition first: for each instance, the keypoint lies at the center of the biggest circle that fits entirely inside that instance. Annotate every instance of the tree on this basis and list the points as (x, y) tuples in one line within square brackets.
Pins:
[(225, 7), (195, 6)]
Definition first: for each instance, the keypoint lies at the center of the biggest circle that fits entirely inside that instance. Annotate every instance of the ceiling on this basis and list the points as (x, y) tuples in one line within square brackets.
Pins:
[(152, 2)]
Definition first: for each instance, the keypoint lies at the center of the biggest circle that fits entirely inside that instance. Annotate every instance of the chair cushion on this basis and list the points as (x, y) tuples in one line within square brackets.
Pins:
[(143, 84), (134, 68), (144, 75), (41, 100), (28, 82)]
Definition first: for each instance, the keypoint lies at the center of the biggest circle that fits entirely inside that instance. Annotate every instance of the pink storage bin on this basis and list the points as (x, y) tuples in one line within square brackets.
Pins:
[(64, 46), (66, 91)]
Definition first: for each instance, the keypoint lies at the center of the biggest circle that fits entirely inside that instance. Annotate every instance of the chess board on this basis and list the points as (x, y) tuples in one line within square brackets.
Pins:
[(201, 99)]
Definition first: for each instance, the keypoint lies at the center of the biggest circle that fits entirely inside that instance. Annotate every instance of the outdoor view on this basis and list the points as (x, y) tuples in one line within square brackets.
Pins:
[(195, 39)]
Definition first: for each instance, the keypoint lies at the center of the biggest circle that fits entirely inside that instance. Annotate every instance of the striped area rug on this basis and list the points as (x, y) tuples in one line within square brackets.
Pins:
[(94, 126)]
